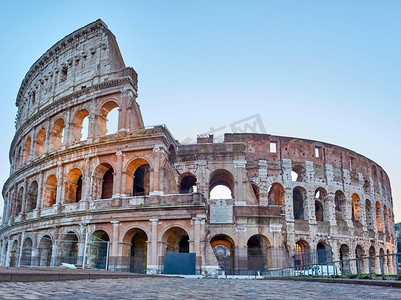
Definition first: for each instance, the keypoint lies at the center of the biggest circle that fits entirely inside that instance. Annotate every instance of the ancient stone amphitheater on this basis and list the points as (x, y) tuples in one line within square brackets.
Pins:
[(80, 194)]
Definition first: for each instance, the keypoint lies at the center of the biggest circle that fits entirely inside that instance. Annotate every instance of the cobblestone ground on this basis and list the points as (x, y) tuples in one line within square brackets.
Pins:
[(177, 288)]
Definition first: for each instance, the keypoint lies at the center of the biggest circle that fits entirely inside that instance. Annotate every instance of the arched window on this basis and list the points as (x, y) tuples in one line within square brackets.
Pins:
[(73, 186), (27, 149), (299, 205), (108, 118), (45, 251), (80, 122), (40, 142), (302, 254), (188, 184), (177, 240), (324, 254), (57, 135), (379, 217), (50, 191), (26, 253), (18, 202), (138, 177), (32, 197), (298, 173), (255, 190), (340, 206), (356, 208), (276, 194), (107, 185), (221, 185)]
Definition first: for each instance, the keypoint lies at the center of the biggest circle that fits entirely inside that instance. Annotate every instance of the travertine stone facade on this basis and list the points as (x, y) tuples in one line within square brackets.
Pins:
[(139, 188)]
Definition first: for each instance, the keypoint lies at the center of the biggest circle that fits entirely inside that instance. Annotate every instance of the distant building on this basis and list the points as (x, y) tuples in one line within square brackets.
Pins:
[(137, 194)]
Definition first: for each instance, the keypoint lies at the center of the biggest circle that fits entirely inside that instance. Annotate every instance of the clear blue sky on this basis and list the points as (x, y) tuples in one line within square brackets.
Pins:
[(324, 70)]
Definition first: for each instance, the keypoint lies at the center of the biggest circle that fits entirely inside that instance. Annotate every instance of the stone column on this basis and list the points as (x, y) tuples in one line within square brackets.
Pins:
[(309, 210), (289, 205), (330, 210), (118, 175), (239, 192), (153, 251), (48, 138), (39, 200), (60, 187), (23, 204), (86, 184)]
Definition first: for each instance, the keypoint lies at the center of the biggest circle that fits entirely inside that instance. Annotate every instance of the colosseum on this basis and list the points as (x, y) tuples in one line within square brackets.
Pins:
[(136, 199)]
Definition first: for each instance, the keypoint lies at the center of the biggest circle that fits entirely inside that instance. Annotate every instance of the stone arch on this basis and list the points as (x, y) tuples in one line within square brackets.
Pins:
[(221, 184), (344, 258), (73, 186), (97, 249), (32, 196), (188, 183), (14, 254), (176, 240), (77, 126), (138, 177), (324, 254), (379, 217), (359, 253), (298, 173), (136, 241), (276, 194), (27, 149), (356, 207), (45, 251), (256, 192), (69, 248), (223, 247), (18, 201), (103, 176), (40, 142), (369, 215), (340, 206), (321, 211), (57, 134), (50, 191), (26, 253), (257, 253), (300, 203), (301, 254), (372, 252), (103, 124)]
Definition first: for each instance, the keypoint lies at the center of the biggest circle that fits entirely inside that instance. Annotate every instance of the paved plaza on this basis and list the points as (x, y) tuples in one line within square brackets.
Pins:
[(180, 288)]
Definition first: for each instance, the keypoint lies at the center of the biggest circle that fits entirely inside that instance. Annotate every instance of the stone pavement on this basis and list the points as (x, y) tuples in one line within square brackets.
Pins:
[(181, 288)]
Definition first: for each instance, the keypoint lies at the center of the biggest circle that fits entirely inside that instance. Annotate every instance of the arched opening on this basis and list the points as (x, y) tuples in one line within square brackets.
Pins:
[(108, 118), (18, 201), (45, 251), (40, 142), (302, 254), (27, 149), (356, 208), (321, 213), (221, 185), (107, 184), (324, 254), (385, 213), (188, 184), (369, 215), (69, 248), (276, 195), (379, 218), (366, 187), (344, 256), (97, 250), (177, 240), (372, 253), (223, 248), (138, 178), (299, 205), (14, 254), (32, 196), (257, 253), (135, 247), (359, 253), (340, 206), (50, 191), (255, 190), (57, 135), (80, 122), (298, 173), (26, 253), (73, 186)]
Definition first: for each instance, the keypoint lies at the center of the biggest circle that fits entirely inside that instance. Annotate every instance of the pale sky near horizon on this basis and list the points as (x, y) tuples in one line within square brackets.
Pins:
[(323, 70)]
